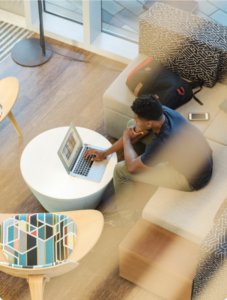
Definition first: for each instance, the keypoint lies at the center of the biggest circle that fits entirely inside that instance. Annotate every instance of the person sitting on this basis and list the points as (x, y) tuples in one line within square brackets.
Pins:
[(160, 148)]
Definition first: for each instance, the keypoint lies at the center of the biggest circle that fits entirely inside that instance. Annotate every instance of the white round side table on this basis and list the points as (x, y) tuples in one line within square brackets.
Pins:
[(48, 180)]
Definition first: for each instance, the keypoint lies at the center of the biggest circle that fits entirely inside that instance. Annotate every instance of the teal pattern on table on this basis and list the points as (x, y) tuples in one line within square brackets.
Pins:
[(37, 240)]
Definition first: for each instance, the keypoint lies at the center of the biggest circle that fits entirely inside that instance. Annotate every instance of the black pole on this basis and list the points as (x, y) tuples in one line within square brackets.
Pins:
[(42, 40)]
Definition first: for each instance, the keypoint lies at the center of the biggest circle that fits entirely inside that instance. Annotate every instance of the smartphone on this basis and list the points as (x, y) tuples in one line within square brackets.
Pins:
[(198, 116)]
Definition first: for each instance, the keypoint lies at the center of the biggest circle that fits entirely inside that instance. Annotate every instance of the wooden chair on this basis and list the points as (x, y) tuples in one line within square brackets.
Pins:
[(89, 225), (9, 90)]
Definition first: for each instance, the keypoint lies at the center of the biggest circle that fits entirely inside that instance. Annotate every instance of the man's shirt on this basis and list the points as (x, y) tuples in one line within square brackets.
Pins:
[(184, 146)]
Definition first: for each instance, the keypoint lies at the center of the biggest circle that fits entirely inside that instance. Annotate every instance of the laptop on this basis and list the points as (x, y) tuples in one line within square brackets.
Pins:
[(71, 153)]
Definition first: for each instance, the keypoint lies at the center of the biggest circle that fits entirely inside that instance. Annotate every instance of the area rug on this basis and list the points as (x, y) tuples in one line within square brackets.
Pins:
[(9, 36)]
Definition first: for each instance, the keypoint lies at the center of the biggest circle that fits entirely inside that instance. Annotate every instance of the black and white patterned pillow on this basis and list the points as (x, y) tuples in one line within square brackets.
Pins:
[(194, 62), (184, 57), (164, 30)]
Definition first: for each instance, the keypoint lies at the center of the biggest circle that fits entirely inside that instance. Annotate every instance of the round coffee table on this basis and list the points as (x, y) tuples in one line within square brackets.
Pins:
[(48, 180)]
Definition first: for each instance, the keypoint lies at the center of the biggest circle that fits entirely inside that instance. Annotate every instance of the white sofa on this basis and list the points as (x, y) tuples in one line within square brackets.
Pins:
[(187, 214)]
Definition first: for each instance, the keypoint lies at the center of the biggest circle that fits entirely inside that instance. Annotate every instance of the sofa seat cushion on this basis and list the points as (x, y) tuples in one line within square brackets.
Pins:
[(217, 131), (191, 214), (37, 240), (211, 98), (119, 97)]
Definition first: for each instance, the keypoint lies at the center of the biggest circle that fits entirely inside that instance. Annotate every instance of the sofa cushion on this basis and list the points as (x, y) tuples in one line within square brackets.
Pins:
[(42, 239), (211, 98), (191, 214), (217, 131), (194, 62)]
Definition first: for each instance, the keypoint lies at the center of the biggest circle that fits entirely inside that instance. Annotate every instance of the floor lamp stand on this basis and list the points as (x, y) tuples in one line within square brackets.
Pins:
[(32, 52)]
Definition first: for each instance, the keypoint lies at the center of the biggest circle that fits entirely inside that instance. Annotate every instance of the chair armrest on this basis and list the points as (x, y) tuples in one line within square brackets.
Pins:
[(39, 266)]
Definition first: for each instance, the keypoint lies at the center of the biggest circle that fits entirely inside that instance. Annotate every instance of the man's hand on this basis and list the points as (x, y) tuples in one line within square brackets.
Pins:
[(99, 154), (133, 132), (137, 129)]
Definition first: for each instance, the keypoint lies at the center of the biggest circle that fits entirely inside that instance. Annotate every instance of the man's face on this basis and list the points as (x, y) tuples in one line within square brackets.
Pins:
[(142, 123)]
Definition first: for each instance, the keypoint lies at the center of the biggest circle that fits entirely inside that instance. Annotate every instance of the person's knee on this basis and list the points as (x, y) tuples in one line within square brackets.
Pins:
[(131, 123), (119, 169)]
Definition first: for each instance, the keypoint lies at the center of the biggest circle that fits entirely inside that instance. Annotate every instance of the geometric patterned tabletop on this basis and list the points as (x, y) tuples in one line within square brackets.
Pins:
[(37, 240)]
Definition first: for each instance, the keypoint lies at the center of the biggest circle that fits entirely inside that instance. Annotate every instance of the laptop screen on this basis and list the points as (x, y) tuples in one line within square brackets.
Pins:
[(70, 147)]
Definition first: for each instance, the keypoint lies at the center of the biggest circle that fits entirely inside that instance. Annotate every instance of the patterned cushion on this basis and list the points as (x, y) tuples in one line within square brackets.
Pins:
[(221, 212), (164, 30), (37, 240), (185, 58), (194, 62), (211, 269)]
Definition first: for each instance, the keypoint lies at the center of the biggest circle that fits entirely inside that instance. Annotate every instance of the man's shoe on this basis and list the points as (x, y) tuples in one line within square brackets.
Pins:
[(114, 219)]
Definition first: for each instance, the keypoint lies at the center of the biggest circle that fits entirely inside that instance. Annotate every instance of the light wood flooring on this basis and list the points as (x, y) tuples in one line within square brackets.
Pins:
[(53, 95)]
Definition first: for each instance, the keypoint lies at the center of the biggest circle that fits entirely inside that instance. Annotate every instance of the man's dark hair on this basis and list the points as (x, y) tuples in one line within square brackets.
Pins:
[(147, 107)]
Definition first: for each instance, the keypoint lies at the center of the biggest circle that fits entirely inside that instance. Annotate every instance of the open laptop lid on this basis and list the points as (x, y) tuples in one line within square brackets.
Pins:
[(70, 148)]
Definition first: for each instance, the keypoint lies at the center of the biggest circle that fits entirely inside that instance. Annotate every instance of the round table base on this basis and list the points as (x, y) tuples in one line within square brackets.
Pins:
[(59, 205)]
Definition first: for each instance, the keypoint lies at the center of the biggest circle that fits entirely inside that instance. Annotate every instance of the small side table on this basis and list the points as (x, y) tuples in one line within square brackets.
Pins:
[(9, 90), (48, 180)]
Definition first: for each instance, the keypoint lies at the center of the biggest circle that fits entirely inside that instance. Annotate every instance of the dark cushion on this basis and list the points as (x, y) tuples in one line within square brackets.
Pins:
[(194, 63)]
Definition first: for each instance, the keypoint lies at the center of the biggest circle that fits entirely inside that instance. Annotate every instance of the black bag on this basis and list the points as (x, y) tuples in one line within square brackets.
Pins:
[(151, 77)]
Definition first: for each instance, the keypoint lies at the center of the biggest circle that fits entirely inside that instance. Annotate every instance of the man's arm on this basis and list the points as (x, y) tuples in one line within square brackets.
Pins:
[(119, 145), (100, 155), (132, 160)]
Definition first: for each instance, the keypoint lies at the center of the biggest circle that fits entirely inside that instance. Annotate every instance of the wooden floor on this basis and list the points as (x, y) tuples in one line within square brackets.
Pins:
[(53, 95)]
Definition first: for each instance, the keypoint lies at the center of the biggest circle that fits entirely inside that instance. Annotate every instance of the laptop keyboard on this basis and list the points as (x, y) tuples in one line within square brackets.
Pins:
[(84, 165)]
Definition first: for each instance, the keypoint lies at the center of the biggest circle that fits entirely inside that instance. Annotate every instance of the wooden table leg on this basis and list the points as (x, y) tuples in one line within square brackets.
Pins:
[(36, 285), (14, 122)]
